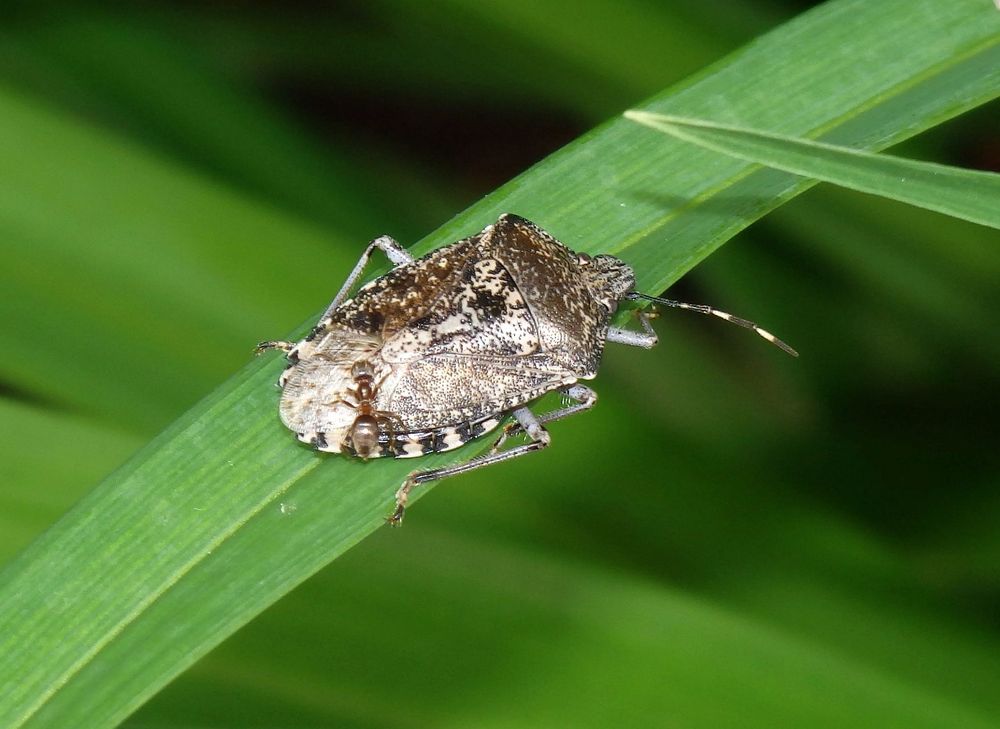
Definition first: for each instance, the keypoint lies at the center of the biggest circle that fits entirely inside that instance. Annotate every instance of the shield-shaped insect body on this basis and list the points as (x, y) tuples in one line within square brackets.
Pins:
[(442, 349)]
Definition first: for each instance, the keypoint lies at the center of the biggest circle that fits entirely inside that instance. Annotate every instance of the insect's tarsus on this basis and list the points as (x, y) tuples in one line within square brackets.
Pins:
[(712, 311), (285, 347)]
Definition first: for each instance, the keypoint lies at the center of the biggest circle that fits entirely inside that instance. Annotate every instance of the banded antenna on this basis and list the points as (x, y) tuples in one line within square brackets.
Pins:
[(705, 309)]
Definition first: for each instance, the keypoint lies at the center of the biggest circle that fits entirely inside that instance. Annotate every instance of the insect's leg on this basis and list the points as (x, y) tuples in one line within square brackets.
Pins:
[(646, 339), (529, 423), (389, 424), (585, 399), (393, 251), (262, 347)]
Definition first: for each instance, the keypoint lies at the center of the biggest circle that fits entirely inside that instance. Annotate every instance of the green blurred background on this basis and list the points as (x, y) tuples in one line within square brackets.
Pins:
[(843, 507)]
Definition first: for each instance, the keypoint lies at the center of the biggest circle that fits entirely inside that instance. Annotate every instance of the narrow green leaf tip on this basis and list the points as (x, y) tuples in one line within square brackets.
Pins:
[(971, 195)]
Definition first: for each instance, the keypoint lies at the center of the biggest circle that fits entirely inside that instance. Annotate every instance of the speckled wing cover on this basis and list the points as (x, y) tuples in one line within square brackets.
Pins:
[(466, 333)]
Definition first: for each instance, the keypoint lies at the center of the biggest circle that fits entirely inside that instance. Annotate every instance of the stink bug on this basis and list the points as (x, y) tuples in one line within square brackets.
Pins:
[(442, 349)]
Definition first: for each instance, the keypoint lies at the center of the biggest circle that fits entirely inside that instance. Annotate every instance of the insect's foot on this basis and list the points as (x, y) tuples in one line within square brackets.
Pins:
[(396, 518), (509, 430), (265, 346), (402, 495)]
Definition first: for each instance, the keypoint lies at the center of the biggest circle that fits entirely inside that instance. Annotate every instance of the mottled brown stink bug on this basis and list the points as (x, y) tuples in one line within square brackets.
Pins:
[(441, 349)]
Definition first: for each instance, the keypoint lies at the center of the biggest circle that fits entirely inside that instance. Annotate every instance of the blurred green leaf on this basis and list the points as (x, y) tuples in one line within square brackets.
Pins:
[(223, 513), (511, 52), (909, 271), (569, 641), (144, 78), (136, 271), (968, 194), (39, 486)]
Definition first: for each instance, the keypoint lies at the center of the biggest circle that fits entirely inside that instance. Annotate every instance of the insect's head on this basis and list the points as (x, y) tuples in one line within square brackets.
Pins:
[(610, 279)]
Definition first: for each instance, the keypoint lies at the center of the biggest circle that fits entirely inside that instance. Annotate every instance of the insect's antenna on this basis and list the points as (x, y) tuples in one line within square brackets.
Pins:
[(705, 309)]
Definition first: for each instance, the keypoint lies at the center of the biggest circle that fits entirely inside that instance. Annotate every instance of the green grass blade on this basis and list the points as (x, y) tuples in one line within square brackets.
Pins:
[(971, 195), (134, 269), (37, 487), (223, 513)]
